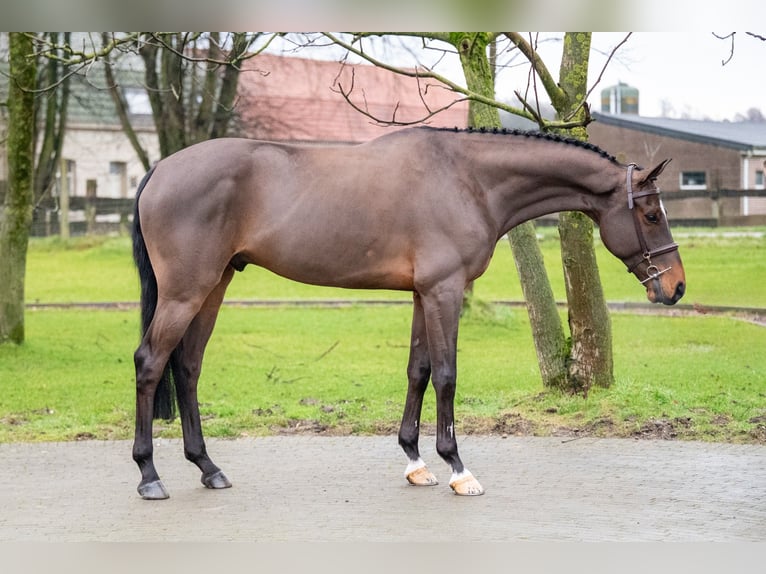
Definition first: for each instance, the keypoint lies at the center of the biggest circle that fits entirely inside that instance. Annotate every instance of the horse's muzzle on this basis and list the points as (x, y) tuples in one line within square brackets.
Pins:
[(656, 294)]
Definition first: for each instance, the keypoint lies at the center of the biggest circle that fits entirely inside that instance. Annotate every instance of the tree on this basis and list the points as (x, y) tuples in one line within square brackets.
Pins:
[(587, 358), (16, 215), (191, 81), (547, 332), (187, 108), (55, 84), (751, 115), (590, 355), (31, 176)]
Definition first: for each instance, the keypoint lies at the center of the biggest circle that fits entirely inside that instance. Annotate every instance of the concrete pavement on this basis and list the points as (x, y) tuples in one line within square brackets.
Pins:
[(317, 488)]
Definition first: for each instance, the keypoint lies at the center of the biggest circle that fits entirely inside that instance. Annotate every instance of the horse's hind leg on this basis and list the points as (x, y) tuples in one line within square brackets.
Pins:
[(418, 373), (191, 351), (171, 318)]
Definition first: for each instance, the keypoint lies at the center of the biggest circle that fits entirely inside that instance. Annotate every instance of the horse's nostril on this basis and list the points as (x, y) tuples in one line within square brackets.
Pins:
[(680, 290)]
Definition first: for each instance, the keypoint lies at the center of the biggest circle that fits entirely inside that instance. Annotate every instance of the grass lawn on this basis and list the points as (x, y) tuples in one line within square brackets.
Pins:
[(342, 370)]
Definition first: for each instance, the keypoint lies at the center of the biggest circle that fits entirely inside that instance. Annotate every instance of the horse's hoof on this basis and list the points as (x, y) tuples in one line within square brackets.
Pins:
[(216, 480), (421, 477), (154, 490), (464, 484)]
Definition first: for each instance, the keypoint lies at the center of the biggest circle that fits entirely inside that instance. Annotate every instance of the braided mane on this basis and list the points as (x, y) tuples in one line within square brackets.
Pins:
[(532, 134)]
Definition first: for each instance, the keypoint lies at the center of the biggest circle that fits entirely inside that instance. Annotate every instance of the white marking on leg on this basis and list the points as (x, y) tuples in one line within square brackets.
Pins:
[(458, 475), (464, 484), (451, 430), (413, 466)]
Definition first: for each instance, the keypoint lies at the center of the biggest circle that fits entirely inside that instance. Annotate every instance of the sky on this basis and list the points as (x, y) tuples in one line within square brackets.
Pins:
[(685, 71), (678, 74)]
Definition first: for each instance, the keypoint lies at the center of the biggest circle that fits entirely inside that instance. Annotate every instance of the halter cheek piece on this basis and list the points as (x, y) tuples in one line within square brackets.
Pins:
[(652, 271)]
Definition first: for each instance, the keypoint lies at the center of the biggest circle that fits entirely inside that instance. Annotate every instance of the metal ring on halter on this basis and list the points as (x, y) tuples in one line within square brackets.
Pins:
[(654, 272)]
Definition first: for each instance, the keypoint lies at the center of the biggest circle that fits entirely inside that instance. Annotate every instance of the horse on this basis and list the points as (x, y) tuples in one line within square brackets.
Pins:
[(419, 209)]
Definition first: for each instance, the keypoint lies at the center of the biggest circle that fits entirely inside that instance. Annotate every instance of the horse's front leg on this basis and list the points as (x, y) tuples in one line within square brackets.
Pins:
[(442, 315), (418, 373)]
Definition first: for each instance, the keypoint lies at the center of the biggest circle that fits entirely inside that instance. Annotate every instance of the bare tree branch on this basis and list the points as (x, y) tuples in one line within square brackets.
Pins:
[(421, 72), (346, 94), (132, 41), (73, 57), (731, 49), (122, 110), (539, 67), (530, 51), (238, 54), (598, 80), (532, 78), (563, 125)]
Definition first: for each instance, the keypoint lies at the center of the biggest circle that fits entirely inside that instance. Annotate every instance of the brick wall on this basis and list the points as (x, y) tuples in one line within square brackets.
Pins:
[(722, 165)]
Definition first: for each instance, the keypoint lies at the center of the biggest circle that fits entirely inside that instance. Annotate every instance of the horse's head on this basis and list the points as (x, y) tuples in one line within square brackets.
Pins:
[(635, 229)]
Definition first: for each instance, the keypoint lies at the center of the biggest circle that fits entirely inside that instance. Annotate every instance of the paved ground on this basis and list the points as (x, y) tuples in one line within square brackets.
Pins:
[(302, 488)]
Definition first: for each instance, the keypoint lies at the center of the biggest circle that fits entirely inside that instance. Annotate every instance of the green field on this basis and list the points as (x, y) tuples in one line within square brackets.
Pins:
[(342, 370)]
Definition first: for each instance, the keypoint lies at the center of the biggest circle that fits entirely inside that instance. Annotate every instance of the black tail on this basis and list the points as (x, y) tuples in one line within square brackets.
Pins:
[(164, 403)]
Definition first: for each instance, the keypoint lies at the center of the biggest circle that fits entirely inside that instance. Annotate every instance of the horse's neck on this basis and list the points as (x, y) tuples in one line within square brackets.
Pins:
[(530, 183)]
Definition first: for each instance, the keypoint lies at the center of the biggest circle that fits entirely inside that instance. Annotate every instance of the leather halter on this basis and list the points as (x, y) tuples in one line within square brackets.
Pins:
[(652, 271)]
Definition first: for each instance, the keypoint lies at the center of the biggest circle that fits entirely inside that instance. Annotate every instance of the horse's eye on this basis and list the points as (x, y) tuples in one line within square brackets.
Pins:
[(652, 218)]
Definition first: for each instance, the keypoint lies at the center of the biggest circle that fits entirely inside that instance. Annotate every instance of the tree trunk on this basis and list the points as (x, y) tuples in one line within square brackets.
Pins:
[(590, 360), (16, 215), (547, 331), (205, 110), (57, 83), (544, 318), (121, 107), (172, 91), (228, 92), (189, 106)]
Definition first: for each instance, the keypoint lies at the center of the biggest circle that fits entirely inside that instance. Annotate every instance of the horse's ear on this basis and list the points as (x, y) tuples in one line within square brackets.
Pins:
[(655, 173)]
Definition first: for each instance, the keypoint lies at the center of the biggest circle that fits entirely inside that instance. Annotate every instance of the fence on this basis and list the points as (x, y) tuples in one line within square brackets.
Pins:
[(86, 216), (714, 208)]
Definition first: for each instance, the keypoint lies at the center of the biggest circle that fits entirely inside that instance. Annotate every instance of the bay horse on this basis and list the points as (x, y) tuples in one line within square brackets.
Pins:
[(419, 210)]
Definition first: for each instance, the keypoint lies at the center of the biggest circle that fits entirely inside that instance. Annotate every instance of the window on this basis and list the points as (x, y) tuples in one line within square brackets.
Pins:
[(759, 179), (116, 167), (117, 183), (138, 101), (693, 180)]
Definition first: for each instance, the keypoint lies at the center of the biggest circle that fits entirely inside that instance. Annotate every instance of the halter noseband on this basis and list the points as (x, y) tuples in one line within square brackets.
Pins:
[(652, 271)]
